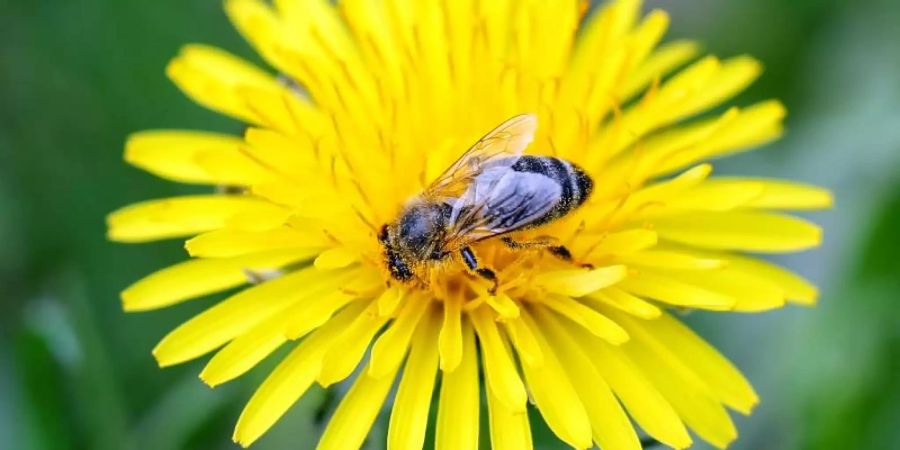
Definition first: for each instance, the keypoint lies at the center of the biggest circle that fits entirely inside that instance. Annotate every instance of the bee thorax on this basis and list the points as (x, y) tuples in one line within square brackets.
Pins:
[(420, 229)]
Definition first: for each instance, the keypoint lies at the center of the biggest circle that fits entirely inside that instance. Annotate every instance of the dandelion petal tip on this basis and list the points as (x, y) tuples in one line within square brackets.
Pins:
[(207, 380), (162, 363)]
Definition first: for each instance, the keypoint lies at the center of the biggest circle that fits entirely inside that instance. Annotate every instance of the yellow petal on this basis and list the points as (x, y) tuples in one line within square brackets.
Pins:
[(545, 49), (263, 217), (715, 196), (389, 300), (210, 77), (390, 348), (687, 392), (273, 107), (302, 321), (294, 156), (748, 231), (673, 339), (356, 413), (340, 361), (662, 61), (505, 307), (635, 206), (640, 162), (177, 216), (234, 169), (624, 301), (655, 195), (624, 242), (193, 157), (639, 396), (336, 258), (314, 28), (459, 405), (671, 290), (744, 129), (239, 313), (795, 288), (225, 243), (524, 341), (248, 349), (734, 75), (198, 277), (604, 28), (658, 108), (450, 341), (598, 324), (257, 22), (667, 151), (580, 282), (409, 416), (499, 370), (605, 48), (243, 353), (554, 395), (779, 194), (611, 427), (674, 94), (670, 260), (752, 293), (387, 31), (641, 42), (509, 430), (293, 376)]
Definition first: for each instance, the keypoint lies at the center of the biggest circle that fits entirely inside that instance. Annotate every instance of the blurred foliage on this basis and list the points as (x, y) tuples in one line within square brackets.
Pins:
[(76, 372), (863, 407)]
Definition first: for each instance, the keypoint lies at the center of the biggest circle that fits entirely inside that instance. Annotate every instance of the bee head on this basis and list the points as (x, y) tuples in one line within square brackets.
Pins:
[(417, 236)]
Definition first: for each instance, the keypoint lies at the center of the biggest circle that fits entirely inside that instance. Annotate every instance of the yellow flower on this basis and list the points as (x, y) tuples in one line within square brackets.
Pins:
[(375, 99)]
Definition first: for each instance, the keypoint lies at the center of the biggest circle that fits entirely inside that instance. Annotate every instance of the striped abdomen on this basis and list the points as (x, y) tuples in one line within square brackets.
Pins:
[(575, 184)]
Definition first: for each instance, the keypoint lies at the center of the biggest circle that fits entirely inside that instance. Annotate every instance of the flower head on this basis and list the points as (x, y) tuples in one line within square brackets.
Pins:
[(373, 101)]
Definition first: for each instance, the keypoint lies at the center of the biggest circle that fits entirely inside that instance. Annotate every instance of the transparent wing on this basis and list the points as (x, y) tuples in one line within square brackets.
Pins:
[(486, 197), (514, 200), (499, 148)]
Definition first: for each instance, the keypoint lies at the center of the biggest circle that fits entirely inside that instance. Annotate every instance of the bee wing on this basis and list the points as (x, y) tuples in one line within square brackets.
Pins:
[(499, 148), (500, 201), (486, 197)]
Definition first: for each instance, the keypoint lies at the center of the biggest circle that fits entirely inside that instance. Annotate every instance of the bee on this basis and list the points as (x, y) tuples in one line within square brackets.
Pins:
[(491, 191)]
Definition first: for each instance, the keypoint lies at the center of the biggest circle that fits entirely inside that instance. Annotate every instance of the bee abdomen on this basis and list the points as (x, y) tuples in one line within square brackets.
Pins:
[(576, 185)]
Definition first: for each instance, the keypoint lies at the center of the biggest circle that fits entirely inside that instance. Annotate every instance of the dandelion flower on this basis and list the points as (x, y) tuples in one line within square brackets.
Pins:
[(366, 103)]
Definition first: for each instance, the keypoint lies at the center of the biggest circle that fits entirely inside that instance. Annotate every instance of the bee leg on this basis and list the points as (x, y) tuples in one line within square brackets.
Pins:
[(539, 243), (559, 251), (489, 275), (471, 262)]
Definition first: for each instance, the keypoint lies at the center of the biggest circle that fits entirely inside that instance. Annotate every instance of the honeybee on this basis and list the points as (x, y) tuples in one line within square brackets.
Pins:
[(489, 192)]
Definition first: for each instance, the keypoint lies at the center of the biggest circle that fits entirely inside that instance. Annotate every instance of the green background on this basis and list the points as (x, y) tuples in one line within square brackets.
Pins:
[(76, 76)]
